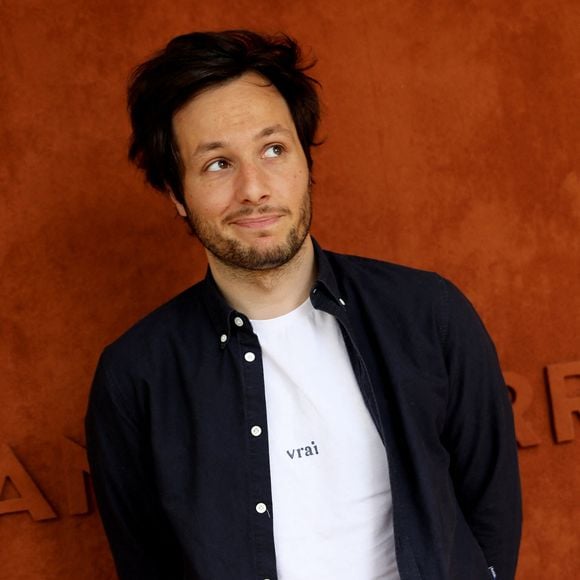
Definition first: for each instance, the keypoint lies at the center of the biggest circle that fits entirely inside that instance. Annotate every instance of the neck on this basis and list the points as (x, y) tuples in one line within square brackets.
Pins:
[(262, 294)]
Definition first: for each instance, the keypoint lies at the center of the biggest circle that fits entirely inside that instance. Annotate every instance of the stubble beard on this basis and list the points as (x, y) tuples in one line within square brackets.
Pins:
[(241, 256)]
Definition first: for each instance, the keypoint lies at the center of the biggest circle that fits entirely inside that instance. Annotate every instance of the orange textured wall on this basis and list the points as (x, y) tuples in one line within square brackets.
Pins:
[(452, 143)]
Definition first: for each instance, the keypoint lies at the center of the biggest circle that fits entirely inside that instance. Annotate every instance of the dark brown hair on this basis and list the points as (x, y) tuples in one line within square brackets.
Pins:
[(194, 62)]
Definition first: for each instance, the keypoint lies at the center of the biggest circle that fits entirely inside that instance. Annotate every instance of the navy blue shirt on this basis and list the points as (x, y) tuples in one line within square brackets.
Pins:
[(181, 481)]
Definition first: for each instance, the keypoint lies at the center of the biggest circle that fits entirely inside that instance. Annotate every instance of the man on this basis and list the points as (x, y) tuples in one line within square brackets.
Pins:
[(297, 414)]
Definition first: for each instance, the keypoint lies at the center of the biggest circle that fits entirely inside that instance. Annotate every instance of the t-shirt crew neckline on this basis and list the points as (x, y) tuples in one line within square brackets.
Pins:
[(289, 317)]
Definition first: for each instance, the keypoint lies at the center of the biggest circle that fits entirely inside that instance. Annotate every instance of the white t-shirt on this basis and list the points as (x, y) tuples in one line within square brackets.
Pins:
[(331, 498)]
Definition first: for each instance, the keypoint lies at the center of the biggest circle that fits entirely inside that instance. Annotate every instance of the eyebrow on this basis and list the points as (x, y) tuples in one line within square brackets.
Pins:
[(271, 131), (205, 147), (213, 145)]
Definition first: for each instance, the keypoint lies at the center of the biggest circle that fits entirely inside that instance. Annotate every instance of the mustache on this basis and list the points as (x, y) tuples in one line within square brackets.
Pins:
[(248, 211)]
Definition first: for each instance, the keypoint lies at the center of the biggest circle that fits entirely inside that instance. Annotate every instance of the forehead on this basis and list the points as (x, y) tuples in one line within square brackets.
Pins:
[(238, 108)]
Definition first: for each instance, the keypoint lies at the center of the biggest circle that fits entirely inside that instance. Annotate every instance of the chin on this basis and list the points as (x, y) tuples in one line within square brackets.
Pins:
[(264, 253)]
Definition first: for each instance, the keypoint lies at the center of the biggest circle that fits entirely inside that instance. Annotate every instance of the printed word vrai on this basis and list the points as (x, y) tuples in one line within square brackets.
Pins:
[(301, 452)]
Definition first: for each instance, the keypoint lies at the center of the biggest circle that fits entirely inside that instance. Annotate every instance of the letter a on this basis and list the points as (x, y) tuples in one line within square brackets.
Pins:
[(308, 451), (31, 499)]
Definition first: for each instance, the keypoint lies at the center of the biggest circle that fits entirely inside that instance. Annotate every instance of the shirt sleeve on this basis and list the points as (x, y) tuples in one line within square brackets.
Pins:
[(141, 540), (479, 434)]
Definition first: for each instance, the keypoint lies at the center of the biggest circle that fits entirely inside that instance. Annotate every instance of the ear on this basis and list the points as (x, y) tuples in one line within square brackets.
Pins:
[(180, 207)]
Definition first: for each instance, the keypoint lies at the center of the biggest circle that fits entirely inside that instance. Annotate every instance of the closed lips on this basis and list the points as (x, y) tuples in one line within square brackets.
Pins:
[(257, 221)]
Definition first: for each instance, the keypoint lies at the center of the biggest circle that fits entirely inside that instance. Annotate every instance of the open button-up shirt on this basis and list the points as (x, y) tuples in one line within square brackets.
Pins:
[(177, 434)]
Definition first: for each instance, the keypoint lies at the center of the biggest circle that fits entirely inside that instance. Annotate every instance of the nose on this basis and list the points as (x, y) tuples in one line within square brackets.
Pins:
[(251, 184)]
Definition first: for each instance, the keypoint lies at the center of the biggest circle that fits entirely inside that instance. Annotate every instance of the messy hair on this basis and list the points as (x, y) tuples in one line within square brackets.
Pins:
[(194, 62)]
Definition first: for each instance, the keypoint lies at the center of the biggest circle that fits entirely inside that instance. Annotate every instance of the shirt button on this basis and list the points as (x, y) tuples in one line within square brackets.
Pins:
[(250, 357), (342, 301), (223, 338), (238, 321), (261, 507), (256, 430)]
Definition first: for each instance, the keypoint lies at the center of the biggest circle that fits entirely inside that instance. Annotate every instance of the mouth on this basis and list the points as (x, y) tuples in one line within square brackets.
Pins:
[(257, 222)]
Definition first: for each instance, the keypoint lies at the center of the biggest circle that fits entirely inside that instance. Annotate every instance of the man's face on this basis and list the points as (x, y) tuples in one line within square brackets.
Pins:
[(245, 175)]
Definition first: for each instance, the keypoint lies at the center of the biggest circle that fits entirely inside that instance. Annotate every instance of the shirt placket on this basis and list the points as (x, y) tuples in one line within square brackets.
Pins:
[(256, 431), (338, 310)]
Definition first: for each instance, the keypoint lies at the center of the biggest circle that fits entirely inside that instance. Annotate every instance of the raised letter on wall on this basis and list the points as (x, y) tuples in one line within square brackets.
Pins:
[(75, 465), (563, 406), (31, 499), (523, 395)]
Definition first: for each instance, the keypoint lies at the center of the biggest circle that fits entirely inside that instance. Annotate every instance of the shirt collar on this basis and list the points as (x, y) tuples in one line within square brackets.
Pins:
[(222, 314), (326, 277)]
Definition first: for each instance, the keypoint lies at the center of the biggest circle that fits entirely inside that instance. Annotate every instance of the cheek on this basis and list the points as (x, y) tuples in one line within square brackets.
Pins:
[(302, 175), (301, 179), (208, 201), (295, 178), (208, 209)]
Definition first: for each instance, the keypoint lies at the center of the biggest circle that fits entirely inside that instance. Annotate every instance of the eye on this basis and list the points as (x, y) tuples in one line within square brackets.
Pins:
[(218, 165), (274, 151)]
